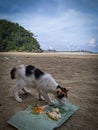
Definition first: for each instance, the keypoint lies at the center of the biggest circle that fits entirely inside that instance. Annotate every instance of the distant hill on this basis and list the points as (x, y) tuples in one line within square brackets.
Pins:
[(14, 37)]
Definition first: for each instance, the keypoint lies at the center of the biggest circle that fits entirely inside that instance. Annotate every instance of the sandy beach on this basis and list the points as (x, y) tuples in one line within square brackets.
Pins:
[(80, 71)]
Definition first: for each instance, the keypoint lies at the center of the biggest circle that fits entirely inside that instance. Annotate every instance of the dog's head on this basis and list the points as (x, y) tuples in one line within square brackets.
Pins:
[(62, 93)]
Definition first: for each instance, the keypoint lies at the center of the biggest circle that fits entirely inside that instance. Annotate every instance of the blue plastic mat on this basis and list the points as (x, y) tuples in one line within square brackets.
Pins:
[(26, 120)]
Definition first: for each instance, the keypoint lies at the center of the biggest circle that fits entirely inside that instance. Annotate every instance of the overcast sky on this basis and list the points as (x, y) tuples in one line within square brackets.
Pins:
[(57, 24)]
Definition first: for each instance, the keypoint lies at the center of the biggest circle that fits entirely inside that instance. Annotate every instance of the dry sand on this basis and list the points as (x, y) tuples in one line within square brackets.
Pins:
[(78, 71)]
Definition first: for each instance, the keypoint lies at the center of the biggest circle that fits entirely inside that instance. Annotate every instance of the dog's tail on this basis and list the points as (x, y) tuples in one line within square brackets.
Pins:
[(12, 73)]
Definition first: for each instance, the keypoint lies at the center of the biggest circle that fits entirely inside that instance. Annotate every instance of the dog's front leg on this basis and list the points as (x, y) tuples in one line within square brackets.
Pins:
[(49, 100), (41, 98), (46, 97)]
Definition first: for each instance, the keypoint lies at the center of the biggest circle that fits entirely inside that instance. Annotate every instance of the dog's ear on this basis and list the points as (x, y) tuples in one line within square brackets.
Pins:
[(68, 88)]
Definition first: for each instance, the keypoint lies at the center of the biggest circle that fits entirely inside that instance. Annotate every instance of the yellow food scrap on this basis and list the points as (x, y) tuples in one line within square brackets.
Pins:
[(55, 114), (56, 110), (52, 116)]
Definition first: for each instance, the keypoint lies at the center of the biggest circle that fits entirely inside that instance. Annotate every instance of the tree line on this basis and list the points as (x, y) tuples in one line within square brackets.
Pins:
[(14, 37)]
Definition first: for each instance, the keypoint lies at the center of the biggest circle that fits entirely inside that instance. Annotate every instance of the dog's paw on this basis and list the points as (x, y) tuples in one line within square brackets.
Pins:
[(41, 98), (19, 100), (26, 90), (29, 91), (51, 103)]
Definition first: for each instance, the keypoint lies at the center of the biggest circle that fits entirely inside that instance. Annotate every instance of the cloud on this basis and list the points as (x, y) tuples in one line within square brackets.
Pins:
[(68, 29), (92, 42), (67, 21)]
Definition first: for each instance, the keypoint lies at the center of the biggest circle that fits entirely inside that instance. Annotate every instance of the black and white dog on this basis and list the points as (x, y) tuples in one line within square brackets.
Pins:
[(28, 75)]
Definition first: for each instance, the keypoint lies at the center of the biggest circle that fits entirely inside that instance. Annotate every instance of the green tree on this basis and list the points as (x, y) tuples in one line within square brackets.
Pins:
[(14, 37)]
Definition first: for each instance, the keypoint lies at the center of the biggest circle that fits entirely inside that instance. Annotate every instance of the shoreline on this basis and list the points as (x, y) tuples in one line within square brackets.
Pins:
[(54, 54), (71, 53)]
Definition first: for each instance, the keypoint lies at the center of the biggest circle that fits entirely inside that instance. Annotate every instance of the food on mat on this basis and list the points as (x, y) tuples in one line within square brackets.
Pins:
[(54, 114), (56, 110), (38, 109)]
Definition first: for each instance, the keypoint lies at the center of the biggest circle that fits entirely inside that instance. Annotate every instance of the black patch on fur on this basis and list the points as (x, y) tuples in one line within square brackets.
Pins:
[(12, 73), (38, 73), (60, 96), (29, 70)]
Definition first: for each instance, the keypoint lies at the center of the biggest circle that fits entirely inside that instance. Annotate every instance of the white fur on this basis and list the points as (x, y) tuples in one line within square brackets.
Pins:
[(45, 84)]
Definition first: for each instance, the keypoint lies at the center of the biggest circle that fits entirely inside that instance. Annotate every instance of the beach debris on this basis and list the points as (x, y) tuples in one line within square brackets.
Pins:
[(6, 58)]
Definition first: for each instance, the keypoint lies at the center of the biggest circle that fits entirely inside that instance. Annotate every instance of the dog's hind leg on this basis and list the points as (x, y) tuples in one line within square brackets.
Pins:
[(16, 93)]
